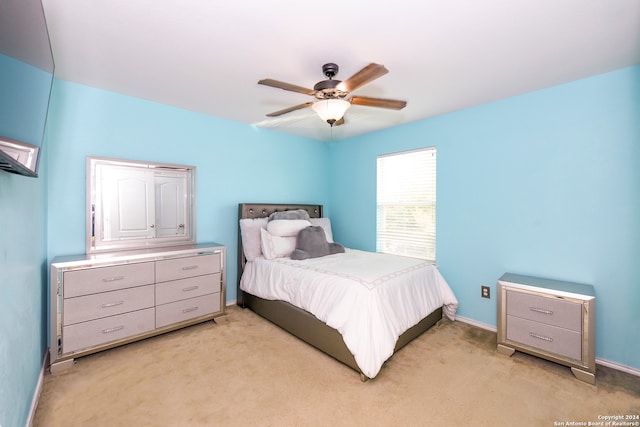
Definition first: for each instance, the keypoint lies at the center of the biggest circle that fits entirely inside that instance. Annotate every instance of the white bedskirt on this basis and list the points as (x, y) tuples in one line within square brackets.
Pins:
[(370, 298)]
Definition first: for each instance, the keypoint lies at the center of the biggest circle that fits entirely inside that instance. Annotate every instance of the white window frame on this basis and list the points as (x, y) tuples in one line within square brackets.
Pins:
[(406, 203)]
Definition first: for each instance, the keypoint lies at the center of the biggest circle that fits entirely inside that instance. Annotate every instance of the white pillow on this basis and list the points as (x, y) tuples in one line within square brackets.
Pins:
[(276, 246), (250, 232), (287, 227), (326, 226)]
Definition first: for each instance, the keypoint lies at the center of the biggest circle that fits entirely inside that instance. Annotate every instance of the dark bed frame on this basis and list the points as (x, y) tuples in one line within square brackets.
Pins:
[(301, 323)]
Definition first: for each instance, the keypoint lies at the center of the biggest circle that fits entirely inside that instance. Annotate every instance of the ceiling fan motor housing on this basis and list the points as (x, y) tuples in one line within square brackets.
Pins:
[(326, 89)]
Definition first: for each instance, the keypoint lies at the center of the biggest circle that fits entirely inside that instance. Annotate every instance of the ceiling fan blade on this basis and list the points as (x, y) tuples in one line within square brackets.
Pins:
[(290, 109), (339, 122), (362, 77), (286, 86), (393, 104)]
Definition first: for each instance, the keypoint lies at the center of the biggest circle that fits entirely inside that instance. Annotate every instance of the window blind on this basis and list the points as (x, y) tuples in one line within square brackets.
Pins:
[(406, 203)]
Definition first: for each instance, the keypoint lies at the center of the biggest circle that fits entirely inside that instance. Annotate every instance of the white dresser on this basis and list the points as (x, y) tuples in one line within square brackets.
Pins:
[(104, 300), (551, 319)]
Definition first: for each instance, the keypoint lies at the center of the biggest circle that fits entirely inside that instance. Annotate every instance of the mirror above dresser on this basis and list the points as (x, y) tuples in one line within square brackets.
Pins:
[(138, 205)]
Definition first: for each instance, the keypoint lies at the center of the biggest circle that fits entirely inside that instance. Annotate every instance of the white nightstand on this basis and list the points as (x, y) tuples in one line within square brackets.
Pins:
[(551, 319)]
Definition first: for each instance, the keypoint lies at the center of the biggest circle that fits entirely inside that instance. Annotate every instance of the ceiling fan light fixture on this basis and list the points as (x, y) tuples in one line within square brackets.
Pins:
[(331, 110)]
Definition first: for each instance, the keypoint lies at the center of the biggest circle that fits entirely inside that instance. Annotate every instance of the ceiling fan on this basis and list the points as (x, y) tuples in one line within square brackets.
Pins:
[(331, 95)]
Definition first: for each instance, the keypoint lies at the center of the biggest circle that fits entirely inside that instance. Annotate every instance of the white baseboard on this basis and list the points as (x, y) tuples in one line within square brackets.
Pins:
[(618, 367), (476, 323), (603, 362), (38, 391)]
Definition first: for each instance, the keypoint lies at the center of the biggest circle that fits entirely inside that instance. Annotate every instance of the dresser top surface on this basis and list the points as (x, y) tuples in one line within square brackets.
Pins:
[(553, 286), (136, 255)]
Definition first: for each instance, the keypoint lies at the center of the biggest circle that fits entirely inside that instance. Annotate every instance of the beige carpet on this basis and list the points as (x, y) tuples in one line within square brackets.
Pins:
[(244, 371)]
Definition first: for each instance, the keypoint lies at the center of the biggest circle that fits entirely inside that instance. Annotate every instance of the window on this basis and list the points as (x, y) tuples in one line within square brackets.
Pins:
[(406, 204)]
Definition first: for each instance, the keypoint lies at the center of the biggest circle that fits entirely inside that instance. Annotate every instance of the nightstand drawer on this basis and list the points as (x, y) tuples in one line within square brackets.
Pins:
[(555, 340), (101, 331), (548, 310), (94, 280), (181, 268), (177, 290), (179, 311), (90, 307)]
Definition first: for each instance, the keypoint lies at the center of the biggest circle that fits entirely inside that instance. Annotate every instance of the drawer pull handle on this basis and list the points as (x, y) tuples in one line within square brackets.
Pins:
[(114, 329), (541, 310), (190, 288), (540, 337), (190, 309), (113, 279), (112, 304), (190, 267)]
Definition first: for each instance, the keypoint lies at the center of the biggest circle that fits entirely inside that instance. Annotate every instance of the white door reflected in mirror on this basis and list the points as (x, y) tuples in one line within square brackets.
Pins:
[(134, 205)]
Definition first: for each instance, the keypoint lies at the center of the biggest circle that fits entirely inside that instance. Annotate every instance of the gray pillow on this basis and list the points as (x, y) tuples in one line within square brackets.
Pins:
[(293, 214), (312, 243)]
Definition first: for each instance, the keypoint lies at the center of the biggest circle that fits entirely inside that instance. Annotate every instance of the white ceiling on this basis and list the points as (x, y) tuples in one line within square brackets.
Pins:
[(442, 55)]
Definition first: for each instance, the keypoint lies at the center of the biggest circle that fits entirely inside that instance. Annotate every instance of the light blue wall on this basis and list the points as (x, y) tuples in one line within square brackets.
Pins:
[(23, 301), (235, 162), (22, 260), (544, 184)]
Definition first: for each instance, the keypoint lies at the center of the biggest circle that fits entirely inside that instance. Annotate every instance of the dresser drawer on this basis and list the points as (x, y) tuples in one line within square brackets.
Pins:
[(89, 307), (549, 310), (552, 339), (179, 311), (181, 268), (94, 280), (177, 290), (97, 332)]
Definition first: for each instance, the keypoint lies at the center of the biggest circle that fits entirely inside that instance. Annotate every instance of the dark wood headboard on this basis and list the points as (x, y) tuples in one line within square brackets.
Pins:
[(263, 210)]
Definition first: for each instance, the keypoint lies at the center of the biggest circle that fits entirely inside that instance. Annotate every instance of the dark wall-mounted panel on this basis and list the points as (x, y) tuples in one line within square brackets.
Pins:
[(26, 76)]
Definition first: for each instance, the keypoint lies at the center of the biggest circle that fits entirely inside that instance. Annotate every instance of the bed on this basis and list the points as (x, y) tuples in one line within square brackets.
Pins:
[(361, 329)]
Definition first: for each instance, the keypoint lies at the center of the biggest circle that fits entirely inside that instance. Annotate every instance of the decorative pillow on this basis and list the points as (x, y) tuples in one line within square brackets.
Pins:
[(287, 227), (292, 214), (312, 243), (250, 232), (276, 246), (326, 226)]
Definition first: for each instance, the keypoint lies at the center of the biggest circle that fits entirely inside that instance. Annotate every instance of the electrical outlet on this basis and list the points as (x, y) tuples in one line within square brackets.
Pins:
[(486, 292)]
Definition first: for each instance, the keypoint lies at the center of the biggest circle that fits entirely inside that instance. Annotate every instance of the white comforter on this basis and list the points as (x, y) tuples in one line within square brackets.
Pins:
[(370, 298)]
